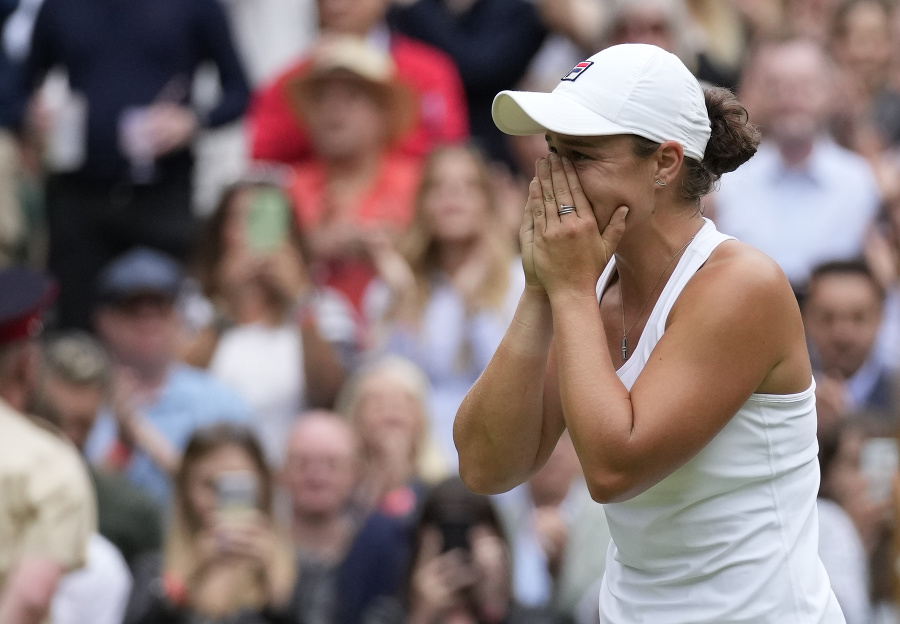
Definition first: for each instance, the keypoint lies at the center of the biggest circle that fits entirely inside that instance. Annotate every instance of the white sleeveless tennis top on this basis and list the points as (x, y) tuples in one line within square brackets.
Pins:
[(732, 536)]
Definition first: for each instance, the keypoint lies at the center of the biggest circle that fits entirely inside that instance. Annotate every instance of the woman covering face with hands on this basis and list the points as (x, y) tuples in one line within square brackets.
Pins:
[(672, 353)]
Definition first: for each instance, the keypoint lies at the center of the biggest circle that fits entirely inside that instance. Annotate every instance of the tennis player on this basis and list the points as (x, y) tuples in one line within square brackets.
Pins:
[(687, 391)]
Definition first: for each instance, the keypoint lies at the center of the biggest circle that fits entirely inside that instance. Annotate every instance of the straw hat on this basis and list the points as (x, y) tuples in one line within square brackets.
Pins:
[(347, 55)]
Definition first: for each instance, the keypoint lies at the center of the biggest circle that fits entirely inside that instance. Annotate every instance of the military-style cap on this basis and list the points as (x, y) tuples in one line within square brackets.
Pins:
[(25, 294)]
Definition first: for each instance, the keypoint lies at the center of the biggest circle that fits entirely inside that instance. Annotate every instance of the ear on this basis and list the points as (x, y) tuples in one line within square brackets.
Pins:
[(669, 159)]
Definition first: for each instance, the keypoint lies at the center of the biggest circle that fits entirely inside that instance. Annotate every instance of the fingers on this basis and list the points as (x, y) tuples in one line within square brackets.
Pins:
[(534, 198), (430, 547), (579, 199), (537, 203), (548, 198), (562, 186), (613, 232)]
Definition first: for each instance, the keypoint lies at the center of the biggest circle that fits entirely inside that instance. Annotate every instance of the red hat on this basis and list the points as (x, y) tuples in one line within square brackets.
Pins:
[(25, 294)]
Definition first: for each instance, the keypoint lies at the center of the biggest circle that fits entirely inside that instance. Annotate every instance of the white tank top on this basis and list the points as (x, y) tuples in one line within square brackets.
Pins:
[(731, 536)]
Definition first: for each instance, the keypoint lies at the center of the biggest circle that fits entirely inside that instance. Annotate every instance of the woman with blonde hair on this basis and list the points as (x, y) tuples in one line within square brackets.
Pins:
[(445, 298), (387, 405), (225, 560)]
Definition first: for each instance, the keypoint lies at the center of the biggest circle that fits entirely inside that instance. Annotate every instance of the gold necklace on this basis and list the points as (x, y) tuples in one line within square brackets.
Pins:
[(646, 301)]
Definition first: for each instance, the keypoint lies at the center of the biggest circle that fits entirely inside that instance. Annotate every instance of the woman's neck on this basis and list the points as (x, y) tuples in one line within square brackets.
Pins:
[(452, 255), (252, 304), (646, 254)]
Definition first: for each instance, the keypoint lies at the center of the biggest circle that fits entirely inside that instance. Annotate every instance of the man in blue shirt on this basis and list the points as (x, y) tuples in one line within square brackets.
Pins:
[(802, 199), (157, 401), (131, 65)]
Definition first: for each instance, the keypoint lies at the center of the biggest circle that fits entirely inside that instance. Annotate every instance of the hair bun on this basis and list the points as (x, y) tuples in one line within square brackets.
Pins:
[(733, 139)]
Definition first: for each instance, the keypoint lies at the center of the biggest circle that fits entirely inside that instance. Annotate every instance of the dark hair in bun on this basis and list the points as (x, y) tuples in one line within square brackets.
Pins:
[(732, 141)]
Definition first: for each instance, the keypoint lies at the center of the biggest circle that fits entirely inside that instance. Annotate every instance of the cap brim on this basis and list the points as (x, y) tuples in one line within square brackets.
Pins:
[(526, 112)]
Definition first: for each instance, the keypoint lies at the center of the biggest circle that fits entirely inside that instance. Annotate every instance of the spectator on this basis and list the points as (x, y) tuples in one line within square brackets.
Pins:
[(868, 116), (276, 133), (11, 110), (460, 567), (809, 19), (492, 43), (97, 593), (225, 558), (355, 108), (840, 547), (799, 180), (47, 508), (882, 255), (842, 312), (133, 68), (446, 301), (345, 561), (275, 337), (723, 39), (387, 404), (74, 387), (157, 402), (559, 536), (668, 25)]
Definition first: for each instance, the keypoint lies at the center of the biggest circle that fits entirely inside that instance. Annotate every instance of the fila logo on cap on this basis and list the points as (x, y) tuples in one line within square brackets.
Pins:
[(577, 70)]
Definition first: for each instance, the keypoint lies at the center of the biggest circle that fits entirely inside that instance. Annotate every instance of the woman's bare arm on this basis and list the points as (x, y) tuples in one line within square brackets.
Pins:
[(734, 330), (500, 430)]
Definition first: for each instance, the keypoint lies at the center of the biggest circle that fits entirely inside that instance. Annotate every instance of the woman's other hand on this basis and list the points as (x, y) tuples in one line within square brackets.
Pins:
[(286, 273), (438, 579), (250, 537), (491, 561), (389, 263), (569, 251)]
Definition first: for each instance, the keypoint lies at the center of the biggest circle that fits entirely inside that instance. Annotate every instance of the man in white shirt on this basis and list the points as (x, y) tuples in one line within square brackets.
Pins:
[(802, 199)]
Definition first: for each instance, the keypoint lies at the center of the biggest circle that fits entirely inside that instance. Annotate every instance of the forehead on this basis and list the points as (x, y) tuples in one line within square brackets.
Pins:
[(556, 139), (844, 288)]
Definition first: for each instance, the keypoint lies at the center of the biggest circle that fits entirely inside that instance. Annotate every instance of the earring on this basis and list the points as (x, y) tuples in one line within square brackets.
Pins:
[(660, 182)]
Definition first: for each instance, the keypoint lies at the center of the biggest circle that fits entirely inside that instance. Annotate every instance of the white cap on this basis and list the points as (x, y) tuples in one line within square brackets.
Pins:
[(632, 88)]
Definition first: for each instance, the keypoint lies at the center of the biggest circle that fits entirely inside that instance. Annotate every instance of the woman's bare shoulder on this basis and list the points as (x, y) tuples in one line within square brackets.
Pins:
[(739, 281), (734, 264)]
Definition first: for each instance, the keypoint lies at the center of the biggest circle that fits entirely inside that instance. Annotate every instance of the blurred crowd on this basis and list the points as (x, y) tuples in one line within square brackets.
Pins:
[(274, 242)]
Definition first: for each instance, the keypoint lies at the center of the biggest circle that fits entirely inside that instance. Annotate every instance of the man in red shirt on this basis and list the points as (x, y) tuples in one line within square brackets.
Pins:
[(276, 132), (354, 186)]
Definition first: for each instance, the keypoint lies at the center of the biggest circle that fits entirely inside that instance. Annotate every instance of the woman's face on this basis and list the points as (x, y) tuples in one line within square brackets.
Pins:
[(202, 480), (456, 203), (609, 172), (865, 48)]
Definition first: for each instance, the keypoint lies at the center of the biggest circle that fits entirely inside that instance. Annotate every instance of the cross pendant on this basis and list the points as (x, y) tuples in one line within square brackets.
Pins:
[(624, 347)]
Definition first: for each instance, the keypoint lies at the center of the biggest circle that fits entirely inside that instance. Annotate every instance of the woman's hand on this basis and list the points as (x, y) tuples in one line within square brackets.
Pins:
[(566, 253), (438, 579), (491, 560), (469, 278), (391, 266), (285, 272), (249, 537)]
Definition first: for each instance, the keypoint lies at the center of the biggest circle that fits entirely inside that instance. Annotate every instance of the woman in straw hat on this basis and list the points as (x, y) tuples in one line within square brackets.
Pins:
[(687, 391)]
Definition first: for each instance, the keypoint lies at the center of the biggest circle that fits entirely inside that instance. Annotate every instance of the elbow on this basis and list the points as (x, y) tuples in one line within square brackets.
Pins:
[(610, 487), (479, 481)]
